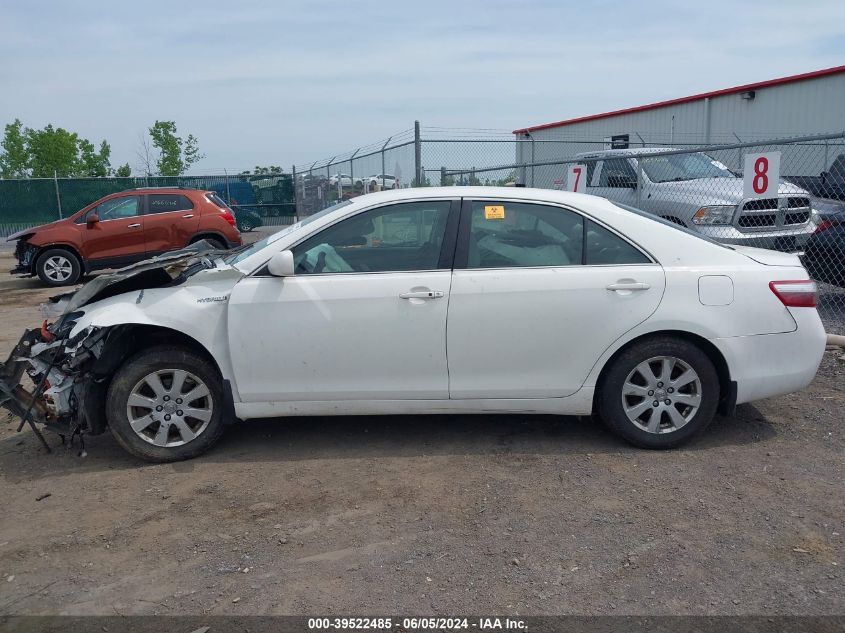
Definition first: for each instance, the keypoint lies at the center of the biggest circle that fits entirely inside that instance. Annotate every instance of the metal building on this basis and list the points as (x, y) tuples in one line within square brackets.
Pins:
[(798, 105)]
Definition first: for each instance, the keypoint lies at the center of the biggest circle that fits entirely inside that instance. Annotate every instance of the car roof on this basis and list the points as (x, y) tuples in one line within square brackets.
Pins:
[(631, 151)]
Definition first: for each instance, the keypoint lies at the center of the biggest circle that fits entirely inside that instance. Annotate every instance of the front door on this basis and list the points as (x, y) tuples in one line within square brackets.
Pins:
[(364, 318), (118, 238), (170, 222), (538, 294)]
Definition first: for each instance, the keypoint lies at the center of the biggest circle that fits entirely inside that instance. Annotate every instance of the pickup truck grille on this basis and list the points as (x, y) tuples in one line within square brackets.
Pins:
[(773, 213)]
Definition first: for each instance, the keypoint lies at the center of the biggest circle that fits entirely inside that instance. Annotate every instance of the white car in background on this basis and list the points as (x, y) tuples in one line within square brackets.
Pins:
[(345, 180), (418, 301), (385, 181)]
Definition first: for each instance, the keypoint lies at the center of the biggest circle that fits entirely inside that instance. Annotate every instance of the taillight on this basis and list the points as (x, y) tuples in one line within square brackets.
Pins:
[(227, 215), (796, 294), (824, 225)]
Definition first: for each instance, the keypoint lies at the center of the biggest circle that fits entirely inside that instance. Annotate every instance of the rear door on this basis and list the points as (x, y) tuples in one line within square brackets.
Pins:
[(118, 238), (538, 293), (170, 221)]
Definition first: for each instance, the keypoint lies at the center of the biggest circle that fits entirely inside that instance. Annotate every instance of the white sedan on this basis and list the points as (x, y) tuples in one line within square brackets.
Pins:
[(442, 300)]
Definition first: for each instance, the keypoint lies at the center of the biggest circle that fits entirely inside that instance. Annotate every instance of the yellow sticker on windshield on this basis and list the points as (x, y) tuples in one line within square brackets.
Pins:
[(494, 212)]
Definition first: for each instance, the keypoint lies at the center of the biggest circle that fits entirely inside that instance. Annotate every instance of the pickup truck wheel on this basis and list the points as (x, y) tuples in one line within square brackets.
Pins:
[(58, 267), (659, 393), (166, 404)]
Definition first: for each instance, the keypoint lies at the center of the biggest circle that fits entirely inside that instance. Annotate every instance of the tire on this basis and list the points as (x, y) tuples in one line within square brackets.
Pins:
[(58, 267), (170, 433), (245, 226), (626, 394)]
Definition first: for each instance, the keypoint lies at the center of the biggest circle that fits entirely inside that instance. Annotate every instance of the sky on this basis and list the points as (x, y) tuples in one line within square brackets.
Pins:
[(282, 83)]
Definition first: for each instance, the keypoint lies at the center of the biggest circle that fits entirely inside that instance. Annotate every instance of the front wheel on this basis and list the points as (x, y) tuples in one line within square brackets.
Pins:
[(659, 393), (58, 267), (166, 404)]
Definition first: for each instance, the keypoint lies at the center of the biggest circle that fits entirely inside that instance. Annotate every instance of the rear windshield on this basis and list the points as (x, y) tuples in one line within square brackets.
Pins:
[(659, 220)]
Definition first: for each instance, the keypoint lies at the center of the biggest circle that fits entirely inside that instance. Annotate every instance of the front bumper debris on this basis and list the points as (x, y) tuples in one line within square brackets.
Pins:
[(59, 372)]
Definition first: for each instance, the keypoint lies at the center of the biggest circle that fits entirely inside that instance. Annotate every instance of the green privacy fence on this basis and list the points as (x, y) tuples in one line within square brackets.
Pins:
[(30, 202)]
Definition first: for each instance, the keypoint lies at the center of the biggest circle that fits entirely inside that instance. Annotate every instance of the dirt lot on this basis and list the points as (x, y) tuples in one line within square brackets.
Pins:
[(420, 515)]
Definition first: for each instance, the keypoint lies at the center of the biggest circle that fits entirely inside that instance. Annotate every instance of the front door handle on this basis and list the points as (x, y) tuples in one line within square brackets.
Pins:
[(629, 285), (421, 294), (133, 226), (188, 215)]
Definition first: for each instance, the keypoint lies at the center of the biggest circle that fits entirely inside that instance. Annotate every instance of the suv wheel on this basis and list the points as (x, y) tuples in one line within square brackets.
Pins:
[(58, 267), (166, 404), (659, 393)]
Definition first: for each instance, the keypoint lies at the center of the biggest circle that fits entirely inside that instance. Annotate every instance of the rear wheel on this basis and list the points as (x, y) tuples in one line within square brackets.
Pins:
[(659, 393), (166, 404), (58, 267)]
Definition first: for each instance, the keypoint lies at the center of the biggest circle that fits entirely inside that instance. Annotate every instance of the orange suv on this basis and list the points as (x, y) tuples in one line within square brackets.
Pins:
[(123, 228)]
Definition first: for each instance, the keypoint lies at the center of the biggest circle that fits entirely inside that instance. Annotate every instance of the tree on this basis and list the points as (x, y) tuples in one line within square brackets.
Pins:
[(30, 153), (124, 171), (262, 171), (14, 161), (52, 151), (175, 154), (93, 163)]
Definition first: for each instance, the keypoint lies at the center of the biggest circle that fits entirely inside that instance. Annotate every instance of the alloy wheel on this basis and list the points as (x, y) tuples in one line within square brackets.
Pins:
[(58, 268), (169, 407), (661, 394)]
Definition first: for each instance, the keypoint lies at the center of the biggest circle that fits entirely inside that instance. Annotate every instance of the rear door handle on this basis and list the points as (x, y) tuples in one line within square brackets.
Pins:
[(629, 285), (133, 226), (188, 215), (421, 294)]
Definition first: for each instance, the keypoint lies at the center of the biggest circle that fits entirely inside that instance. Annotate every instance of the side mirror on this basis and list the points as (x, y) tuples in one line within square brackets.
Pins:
[(281, 264), (92, 219)]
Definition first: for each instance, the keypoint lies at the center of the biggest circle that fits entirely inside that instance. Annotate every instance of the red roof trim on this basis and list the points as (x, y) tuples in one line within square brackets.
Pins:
[(716, 93)]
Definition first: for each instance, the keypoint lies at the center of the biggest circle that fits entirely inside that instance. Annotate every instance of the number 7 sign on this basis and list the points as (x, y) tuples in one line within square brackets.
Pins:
[(576, 178)]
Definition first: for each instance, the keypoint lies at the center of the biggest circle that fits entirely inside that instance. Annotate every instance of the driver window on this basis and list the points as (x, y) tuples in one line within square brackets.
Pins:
[(116, 208), (617, 172), (397, 237)]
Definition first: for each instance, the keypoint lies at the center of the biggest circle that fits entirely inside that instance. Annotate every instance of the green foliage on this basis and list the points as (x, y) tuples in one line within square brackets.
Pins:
[(124, 171), (263, 171), (14, 159), (176, 155), (30, 153)]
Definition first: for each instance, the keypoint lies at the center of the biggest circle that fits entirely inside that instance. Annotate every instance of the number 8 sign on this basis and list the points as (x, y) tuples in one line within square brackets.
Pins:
[(576, 178), (761, 175)]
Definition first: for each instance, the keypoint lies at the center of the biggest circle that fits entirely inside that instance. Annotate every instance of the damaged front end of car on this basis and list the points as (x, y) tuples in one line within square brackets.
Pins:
[(57, 375)]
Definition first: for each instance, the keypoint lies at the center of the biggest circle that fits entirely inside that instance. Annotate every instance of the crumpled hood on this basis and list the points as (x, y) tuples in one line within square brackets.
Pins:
[(30, 231), (151, 273)]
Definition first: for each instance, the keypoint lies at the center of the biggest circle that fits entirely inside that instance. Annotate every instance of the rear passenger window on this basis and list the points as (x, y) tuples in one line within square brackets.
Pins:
[(518, 234), (605, 247), (166, 202)]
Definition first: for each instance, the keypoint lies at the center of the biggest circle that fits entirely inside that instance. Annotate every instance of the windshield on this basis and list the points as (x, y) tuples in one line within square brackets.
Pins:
[(677, 167), (654, 218), (243, 252)]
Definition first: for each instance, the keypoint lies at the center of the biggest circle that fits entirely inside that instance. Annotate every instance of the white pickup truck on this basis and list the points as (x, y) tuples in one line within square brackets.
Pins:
[(697, 191)]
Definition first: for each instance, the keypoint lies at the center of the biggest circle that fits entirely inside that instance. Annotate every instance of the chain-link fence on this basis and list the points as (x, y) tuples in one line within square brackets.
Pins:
[(785, 194), (261, 199)]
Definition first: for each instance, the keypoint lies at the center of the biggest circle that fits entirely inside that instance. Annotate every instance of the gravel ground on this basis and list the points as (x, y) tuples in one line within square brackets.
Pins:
[(515, 514)]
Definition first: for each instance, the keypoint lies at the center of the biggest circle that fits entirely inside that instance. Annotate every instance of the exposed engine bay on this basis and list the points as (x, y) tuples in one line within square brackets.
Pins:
[(56, 381)]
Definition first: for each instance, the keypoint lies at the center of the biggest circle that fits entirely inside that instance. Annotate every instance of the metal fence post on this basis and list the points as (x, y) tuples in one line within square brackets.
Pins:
[(58, 196), (532, 161), (417, 154), (228, 195), (443, 176), (295, 195), (383, 147)]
